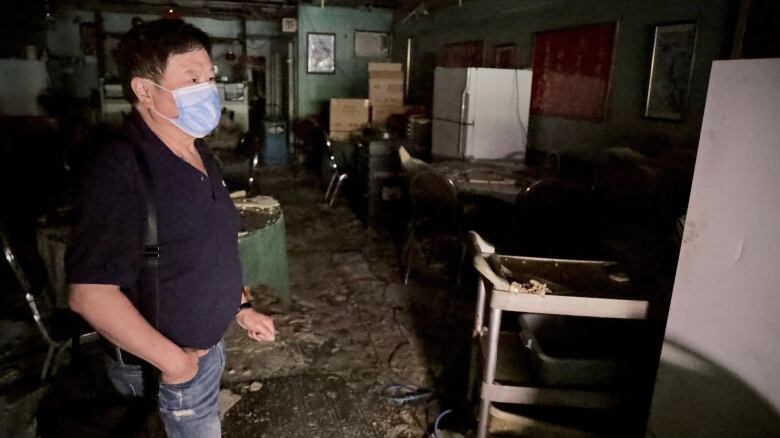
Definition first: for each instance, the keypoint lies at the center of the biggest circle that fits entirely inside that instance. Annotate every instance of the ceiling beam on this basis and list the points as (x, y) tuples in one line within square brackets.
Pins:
[(260, 10)]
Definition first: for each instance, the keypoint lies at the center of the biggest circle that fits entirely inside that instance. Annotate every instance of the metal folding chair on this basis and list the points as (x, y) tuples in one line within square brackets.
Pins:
[(61, 329), (434, 210), (340, 174), (244, 162)]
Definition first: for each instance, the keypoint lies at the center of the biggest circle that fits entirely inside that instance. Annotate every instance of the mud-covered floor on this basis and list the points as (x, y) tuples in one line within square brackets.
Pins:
[(353, 330)]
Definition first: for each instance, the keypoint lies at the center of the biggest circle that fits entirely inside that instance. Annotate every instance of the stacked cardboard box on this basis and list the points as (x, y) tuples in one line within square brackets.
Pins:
[(385, 98), (347, 116), (385, 91), (380, 113)]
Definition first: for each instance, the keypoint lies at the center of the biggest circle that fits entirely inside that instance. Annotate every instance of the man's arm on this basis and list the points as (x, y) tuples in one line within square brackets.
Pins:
[(109, 311)]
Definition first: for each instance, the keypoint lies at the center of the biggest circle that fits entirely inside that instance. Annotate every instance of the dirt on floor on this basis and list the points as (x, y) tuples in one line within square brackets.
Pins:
[(352, 332)]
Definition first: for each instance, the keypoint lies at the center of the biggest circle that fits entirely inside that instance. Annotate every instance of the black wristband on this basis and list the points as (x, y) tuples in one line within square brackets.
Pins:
[(244, 305)]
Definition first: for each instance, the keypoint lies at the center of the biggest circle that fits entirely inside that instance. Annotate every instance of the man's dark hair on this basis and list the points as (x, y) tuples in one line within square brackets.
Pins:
[(144, 50)]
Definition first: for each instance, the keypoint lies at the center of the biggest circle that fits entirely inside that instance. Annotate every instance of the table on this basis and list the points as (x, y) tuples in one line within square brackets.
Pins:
[(503, 180), (262, 247)]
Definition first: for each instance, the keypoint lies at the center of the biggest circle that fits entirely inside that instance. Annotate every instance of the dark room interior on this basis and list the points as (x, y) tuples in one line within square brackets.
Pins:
[(450, 218)]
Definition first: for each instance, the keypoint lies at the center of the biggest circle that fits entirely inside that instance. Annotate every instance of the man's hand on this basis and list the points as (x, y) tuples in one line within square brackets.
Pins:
[(258, 326), (186, 369)]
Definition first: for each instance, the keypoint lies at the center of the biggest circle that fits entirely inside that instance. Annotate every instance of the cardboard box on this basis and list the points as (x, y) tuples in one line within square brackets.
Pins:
[(383, 66), (386, 87), (348, 114), (343, 135), (380, 113)]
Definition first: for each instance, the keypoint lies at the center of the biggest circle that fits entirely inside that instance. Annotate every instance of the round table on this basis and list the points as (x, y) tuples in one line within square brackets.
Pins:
[(262, 245)]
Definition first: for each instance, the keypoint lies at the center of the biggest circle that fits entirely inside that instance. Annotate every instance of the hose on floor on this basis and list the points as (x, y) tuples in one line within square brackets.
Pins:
[(399, 394), (436, 424)]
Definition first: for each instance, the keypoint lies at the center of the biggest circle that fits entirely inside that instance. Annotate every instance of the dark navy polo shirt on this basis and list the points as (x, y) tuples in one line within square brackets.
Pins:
[(200, 272)]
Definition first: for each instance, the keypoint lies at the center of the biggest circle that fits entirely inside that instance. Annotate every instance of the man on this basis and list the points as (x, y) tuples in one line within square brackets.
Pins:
[(168, 76)]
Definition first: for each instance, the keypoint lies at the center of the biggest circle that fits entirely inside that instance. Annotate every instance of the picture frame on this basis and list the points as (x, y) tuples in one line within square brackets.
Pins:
[(321, 53), (88, 33), (372, 44), (463, 54), (504, 56), (671, 68)]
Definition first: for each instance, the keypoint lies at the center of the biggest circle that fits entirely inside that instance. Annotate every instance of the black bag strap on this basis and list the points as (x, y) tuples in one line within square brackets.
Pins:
[(148, 285), (149, 278)]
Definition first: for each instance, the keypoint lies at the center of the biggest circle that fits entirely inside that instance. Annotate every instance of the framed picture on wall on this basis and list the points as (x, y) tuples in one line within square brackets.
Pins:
[(88, 33), (670, 70), (466, 54), (370, 44), (110, 46), (505, 56), (321, 53)]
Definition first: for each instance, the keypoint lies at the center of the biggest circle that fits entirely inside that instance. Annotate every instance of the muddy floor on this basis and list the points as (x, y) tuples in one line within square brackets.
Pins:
[(352, 332), (357, 354)]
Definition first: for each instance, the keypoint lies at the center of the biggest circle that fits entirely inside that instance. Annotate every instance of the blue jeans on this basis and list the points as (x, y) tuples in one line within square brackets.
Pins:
[(188, 410)]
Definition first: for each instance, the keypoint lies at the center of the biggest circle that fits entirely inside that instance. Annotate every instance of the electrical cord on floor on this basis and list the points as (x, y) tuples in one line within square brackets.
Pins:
[(436, 424), (399, 394)]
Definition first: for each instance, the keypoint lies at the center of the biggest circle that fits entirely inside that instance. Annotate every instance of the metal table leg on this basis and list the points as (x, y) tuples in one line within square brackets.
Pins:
[(490, 370)]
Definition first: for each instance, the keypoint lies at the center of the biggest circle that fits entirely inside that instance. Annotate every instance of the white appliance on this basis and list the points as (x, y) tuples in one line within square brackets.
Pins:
[(480, 112)]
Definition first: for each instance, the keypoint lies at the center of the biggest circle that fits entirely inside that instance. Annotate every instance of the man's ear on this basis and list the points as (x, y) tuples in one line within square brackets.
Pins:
[(142, 90)]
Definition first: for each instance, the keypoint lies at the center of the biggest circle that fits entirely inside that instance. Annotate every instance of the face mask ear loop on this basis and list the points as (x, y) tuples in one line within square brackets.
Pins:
[(159, 114), (162, 88), (157, 85)]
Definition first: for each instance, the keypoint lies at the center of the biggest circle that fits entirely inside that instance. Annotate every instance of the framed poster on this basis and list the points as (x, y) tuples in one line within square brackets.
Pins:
[(467, 54), (88, 33), (110, 45), (571, 70), (505, 56), (670, 70), (321, 53), (370, 44)]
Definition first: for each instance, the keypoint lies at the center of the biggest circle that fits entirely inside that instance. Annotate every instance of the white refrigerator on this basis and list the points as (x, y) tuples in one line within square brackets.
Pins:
[(480, 112)]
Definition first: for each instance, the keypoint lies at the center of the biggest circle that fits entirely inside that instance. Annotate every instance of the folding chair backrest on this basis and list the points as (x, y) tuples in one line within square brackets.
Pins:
[(434, 197), (544, 197), (340, 154)]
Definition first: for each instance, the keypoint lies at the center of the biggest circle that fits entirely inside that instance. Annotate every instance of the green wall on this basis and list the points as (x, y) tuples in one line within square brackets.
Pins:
[(351, 78), (515, 21)]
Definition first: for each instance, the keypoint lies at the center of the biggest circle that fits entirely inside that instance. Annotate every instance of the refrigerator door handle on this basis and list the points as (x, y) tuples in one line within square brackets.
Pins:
[(442, 119), (464, 102)]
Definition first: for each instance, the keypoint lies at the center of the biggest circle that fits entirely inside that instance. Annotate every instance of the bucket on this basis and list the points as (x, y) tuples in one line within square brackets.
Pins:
[(275, 150)]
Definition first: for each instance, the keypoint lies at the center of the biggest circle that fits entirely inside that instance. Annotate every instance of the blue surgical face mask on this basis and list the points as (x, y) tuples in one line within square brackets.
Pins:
[(198, 106)]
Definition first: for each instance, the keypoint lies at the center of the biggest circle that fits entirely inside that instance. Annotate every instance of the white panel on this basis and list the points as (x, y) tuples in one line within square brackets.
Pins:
[(499, 101), (448, 87), (720, 370)]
